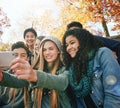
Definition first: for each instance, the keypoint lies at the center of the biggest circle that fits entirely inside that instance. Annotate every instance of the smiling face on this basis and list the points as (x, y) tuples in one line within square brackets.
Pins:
[(30, 39), (72, 45), (37, 46), (50, 52), (20, 53)]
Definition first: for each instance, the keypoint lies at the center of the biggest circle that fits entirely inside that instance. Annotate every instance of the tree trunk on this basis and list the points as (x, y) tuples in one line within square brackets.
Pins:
[(105, 29)]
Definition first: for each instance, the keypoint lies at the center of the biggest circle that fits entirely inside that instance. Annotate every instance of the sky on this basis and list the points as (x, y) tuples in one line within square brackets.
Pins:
[(16, 9)]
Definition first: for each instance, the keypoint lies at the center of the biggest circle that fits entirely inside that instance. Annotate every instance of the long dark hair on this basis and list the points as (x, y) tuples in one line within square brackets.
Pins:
[(86, 52)]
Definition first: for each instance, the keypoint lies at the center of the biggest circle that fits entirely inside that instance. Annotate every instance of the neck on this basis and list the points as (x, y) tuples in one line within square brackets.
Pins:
[(50, 67), (31, 48)]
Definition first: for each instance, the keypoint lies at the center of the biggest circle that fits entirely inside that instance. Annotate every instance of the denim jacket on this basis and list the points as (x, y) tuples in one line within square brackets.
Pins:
[(114, 45), (106, 81)]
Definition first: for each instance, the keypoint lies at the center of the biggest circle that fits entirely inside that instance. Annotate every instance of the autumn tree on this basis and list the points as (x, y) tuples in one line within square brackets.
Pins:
[(4, 21), (84, 11), (67, 14), (105, 11), (5, 46)]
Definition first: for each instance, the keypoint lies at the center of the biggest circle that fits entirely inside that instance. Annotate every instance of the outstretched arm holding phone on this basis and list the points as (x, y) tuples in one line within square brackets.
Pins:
[(13, 91), (8, 78)]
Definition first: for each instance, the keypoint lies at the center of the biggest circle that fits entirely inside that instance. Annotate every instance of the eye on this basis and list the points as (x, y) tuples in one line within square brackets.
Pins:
[(24, 55), (27, 36), (51, 48), (15, 55), (72, 42)]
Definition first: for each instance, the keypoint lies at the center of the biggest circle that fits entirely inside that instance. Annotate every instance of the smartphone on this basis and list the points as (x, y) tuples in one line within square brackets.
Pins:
[(6, 57)]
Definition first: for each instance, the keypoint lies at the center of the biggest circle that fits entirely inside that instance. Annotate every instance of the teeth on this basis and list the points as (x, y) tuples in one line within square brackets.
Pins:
[(48, 57)]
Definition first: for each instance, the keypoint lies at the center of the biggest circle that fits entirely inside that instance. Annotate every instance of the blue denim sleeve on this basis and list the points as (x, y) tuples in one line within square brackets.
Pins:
[(110, 79)]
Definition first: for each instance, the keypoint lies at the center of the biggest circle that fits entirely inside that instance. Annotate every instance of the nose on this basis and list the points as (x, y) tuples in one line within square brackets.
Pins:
[(29, 38), (18, 57), (47, 51), (68, 47)]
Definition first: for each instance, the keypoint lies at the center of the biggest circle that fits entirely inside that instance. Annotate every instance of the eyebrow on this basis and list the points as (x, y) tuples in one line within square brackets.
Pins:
[(21, 53), (70, 41)]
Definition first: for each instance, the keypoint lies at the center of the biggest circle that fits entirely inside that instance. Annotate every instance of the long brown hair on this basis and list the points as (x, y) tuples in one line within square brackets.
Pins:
[(36, 60), (12, 95), (38, 92)]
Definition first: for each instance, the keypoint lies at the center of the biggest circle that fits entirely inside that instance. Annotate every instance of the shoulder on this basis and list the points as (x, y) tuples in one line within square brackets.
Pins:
[(62, 70), (103, 50), (105, 53), (106, 39), (105, 56)]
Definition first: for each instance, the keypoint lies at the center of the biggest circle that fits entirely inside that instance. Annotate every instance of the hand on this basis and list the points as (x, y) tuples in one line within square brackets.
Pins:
[(22, 69)]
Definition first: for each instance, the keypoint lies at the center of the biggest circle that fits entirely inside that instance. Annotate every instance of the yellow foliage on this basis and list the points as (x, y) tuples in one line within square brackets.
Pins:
[(69, 13), (5, 46), (85, 11)]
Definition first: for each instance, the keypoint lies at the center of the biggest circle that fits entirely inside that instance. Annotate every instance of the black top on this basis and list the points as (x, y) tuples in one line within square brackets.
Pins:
[(89, 102)]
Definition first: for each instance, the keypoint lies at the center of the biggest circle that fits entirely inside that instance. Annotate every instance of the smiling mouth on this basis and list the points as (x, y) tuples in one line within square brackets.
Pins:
[(71, 52), (48, 57)]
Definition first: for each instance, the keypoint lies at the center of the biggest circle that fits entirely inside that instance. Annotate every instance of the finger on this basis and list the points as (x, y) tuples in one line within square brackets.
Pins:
[(14, 61), (31, 77), (23, 77), (17, 60), (16, 66), (20, 72), (20, 66)]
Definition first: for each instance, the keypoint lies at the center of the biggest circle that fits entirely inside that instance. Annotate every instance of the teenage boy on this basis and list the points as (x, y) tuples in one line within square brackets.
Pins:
[(11, 97), (29, 36)]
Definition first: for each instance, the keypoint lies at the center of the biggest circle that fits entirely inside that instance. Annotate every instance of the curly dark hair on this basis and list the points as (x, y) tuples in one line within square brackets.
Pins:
[(20, 44), (29, 30), (89, 45)]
